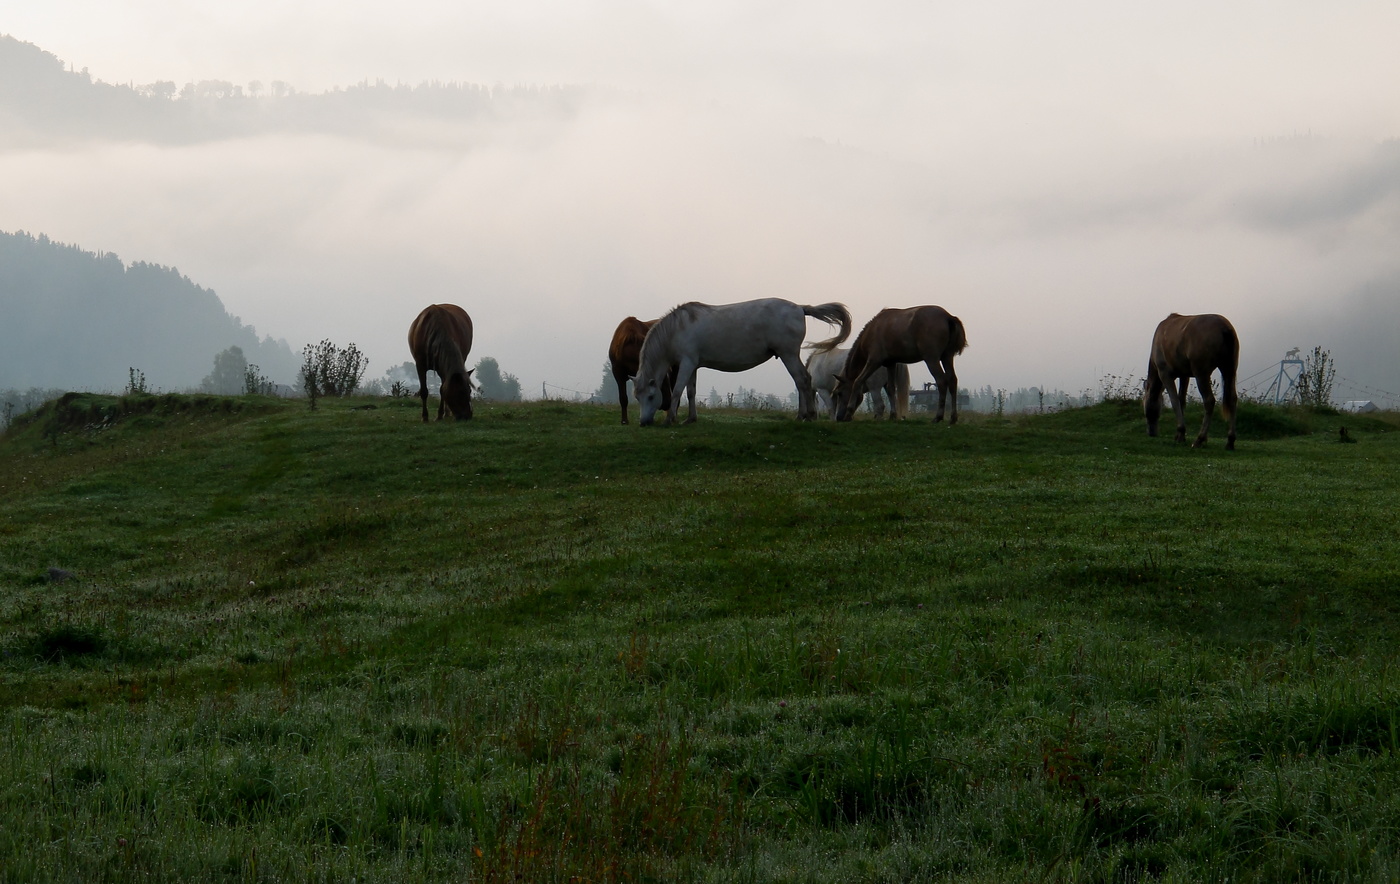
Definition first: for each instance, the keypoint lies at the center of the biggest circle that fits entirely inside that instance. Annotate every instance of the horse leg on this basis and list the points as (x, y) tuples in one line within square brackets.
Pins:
[(685, 377), (900, 403), (940, 377), (952, 387), (621, 378), (892, 391), (806, 409), (1228, 405), (423, 391), (690, 394), (828, 403), (1208, 400), (877, 402), (1178, 398)]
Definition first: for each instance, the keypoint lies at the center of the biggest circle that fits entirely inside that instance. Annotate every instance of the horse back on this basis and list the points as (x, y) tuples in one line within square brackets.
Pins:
[(1195, 344), (625, 351), (910, 334), (440, 338)]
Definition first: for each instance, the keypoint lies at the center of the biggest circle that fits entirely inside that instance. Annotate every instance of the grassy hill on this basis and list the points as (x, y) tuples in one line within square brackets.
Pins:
[(240, 639)]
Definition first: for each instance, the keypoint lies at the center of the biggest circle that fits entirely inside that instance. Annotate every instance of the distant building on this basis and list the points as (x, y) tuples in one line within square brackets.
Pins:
[(1359, 406)]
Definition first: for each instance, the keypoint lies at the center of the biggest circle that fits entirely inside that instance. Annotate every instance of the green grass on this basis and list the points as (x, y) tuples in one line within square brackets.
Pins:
[(334, 644)]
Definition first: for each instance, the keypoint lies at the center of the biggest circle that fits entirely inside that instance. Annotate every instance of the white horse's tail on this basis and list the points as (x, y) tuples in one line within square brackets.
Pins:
[(833, 313), (901, 390)]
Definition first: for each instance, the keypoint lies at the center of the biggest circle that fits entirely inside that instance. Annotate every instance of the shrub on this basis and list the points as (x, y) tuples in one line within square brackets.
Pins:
[(1315, 380), (135, 382), (328, 370)]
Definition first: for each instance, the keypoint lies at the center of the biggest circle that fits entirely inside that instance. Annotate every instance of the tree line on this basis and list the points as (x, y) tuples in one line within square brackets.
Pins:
[(42, 97)]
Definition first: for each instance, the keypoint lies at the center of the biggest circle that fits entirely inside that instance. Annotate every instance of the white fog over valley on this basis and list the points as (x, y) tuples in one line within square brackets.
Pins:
[(1059, 176)]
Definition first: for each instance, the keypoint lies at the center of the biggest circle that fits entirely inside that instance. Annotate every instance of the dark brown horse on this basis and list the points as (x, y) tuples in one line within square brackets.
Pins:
[(1186, 347), (440, 339), (624, 354), (928, 334)]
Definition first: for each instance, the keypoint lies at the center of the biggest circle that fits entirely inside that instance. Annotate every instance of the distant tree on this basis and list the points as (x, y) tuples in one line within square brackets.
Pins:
[(14, 403), (493, 383), (401, 380), (255, 383), (230, 371), (160, 89), (607, 387), (1315, 381)]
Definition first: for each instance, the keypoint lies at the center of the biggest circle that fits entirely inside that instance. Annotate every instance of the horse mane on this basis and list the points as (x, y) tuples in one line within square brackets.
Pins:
[(668, 326), (860, 346)]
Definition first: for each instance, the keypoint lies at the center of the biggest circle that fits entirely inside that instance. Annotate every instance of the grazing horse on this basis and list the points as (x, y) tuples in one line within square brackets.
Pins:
[(928, 334), (825, 365), (440, 339), (730, 337), (624, 355), (1186, 347)]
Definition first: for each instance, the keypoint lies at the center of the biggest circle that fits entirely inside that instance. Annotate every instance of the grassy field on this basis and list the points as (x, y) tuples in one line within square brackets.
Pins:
[(243, 640)]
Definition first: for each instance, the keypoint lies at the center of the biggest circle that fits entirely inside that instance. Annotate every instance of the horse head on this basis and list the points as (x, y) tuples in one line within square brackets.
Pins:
[(1151, 405), (457, 393), (649, 396), (847, 397)]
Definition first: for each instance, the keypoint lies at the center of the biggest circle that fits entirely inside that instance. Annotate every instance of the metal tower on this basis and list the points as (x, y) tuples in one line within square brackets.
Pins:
[(1285, 385)]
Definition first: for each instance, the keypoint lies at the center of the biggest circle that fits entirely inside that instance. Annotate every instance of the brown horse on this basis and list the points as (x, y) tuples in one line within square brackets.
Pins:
[(1186, 347), (440, 339), (625, 356), (928, 334)]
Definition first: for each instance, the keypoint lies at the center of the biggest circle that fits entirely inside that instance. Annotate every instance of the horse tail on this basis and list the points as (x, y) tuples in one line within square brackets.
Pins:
[(957, 335), (901, 390), (836, 314), (1232, 343)]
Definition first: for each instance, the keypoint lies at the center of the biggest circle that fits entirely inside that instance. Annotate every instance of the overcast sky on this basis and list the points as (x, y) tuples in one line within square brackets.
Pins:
[(1061, 176)]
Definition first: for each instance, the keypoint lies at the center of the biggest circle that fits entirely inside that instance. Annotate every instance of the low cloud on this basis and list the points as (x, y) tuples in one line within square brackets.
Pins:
[(550, 227)]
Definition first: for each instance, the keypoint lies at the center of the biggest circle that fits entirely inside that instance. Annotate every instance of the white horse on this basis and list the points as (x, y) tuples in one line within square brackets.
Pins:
[(825, 365), (730, 337)]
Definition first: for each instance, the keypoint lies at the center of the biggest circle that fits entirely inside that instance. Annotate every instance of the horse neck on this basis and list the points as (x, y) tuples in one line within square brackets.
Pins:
[(658, 348), (857, 357), (447, 354), (653, 361)]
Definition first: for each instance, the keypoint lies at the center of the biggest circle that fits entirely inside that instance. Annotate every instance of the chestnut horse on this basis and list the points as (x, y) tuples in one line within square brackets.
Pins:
[(928, 334), (730, 337), (1186, 347), (440, 339), (625, 355)]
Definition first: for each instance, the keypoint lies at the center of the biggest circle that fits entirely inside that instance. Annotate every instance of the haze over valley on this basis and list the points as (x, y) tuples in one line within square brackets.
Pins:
[(1059, 199)]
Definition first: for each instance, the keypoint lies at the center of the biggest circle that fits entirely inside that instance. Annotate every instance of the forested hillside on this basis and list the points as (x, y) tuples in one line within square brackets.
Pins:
[(79, 319), (42, 99)]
